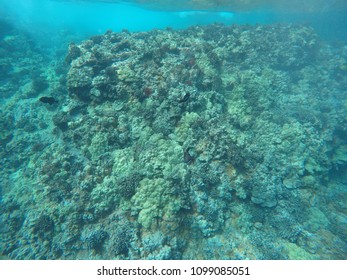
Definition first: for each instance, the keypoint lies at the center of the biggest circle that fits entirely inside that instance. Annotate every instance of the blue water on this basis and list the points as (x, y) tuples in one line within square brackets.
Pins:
[(148, 130), (93, 18), (48, 17)]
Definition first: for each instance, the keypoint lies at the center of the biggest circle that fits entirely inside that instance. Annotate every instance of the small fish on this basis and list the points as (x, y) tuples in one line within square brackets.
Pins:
[(48, 100), (184, 98)]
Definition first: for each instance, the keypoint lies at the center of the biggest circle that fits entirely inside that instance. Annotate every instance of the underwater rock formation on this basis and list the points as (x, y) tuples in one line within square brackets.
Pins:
[(204, 143)]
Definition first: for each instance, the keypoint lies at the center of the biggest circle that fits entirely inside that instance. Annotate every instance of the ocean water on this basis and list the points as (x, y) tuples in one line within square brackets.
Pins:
[(173, 129)]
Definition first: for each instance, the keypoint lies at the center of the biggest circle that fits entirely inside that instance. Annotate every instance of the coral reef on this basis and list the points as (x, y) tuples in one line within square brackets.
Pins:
[(215, 142)]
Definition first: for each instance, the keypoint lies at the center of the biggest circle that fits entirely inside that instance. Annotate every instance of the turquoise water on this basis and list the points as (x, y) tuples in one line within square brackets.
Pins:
[(43, 17), (91, 17), (173, 130)]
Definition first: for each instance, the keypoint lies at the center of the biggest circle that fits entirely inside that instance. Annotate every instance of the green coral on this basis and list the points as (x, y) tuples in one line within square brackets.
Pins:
[(183, 129), (164, 158), (126, 74), (340, 155), (297, 253), (316, 220), (154, 202), (103, 196)]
